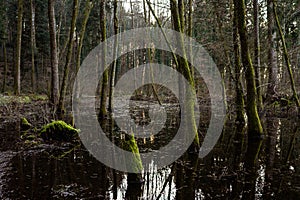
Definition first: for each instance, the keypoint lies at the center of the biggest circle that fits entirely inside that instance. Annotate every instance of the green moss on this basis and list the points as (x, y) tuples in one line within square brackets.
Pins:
[(31, 143), (59, 131), (285, 102), (25, 125), (129, 144), (7, 99), (24, 99), (24, 121), (31, 137), (39, 97)]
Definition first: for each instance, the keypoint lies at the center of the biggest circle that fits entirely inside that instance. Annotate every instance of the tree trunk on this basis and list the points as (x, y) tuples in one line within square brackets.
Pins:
[(286, 56), (103, 110), (272, 126), (272, 64), (33, 47), (254, 125), (240, 112), (5, 67), (17, 78), (257, 53), (53, 51), (88, 8), (114, 66), (63, 89), (184, 68)]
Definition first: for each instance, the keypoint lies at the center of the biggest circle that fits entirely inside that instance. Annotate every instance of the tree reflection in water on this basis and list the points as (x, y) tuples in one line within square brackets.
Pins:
[(237, 168)]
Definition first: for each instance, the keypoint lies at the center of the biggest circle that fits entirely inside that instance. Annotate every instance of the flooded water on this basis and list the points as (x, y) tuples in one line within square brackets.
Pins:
[(258, 169)]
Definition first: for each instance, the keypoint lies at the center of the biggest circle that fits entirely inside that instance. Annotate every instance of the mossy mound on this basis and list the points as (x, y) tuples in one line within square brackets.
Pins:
[(58, 131)]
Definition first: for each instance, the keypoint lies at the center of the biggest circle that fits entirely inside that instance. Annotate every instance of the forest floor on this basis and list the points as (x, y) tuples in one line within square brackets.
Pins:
[(34, 108)]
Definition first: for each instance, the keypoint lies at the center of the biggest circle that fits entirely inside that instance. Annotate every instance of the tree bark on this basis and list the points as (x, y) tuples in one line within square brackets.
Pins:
[(88, 8), (63, 90), (17, 78), (54, 59), (33, 47), (272, 64), (114, 66), (240, 112), (184, 68), (257, 53), (5, 67), (103, 110), (254, 125), (286, 56)]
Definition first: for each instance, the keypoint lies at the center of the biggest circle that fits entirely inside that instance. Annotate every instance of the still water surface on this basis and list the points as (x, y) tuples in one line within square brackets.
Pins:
[(230, 171)]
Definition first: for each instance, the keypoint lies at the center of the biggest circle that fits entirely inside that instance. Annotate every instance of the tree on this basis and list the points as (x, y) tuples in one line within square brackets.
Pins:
[(63, 89), (3, 39), (286, 55), (103, 110), (33, 46), (254, 124), (53, 54), (88, 7), (17, 78), (177, 12), (5, 67), (272, 64), (257, 53), (114, 66), (240, 119)]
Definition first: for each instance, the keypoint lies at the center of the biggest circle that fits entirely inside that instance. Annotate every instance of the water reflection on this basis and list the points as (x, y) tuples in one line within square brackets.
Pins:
[(236, 169)]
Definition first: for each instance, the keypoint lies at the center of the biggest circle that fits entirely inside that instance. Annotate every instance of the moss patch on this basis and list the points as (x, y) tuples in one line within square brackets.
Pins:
[(58, 131), (129, 144), (8, 99), (25, 125)]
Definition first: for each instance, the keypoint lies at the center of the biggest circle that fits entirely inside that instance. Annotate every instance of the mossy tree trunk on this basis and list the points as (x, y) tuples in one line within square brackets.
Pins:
[(177, 12), (254, 124), (286, 55), (54, 58), (17, 78), (63, 89), (103, 110), (189, 30)]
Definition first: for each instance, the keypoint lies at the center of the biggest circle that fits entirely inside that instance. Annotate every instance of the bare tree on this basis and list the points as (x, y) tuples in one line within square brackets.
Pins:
[(103, 110), (286, 55), (272, 64), (256, 63), (33, 46), (238, 77), (63, 89), (17, 78), (114, 66), (5, 67), (54, 59)]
